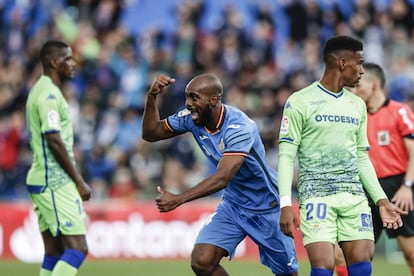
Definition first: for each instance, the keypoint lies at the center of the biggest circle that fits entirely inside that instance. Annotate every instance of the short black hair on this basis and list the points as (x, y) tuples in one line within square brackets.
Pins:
[(341, 42), (376, 70), (48, 49)]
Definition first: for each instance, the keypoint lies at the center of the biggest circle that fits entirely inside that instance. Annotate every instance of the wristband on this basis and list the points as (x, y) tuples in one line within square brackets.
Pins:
[(408, 183), (285, 201)]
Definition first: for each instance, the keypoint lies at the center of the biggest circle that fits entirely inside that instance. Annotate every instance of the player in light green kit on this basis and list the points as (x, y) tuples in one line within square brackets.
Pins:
[(325, 125), (55, 186)]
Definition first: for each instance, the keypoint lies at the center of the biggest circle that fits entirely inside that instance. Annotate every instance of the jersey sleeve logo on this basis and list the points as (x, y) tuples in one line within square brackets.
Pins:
[(53, 119), (284, 127), (184, 112)]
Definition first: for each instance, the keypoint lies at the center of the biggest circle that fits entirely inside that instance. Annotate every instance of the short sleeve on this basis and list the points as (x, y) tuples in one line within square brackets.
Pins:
[(405, 120), (238, 139), (180, 122)]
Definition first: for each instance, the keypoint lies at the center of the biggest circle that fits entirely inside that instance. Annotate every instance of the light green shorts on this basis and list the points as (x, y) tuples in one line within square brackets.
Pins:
[(336, 218), (60, 210)]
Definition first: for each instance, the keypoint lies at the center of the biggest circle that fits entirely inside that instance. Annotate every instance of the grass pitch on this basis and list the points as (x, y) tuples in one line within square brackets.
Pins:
[(381, 267)]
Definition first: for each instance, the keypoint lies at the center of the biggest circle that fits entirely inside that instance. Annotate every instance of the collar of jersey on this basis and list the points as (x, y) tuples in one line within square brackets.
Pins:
[(220, 121), (49, 79), (336, 95)]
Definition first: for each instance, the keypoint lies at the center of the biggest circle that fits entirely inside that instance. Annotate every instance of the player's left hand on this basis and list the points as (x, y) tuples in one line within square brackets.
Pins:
[(390, 214), (403, 198), (288, 221), (166, 201), (84, 190)]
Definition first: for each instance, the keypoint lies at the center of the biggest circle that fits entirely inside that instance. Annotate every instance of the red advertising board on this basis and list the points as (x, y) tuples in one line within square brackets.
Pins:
[(119, 230)]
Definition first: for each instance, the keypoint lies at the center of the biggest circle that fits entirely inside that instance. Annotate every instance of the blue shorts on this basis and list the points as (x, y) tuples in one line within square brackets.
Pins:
[(229, 225)]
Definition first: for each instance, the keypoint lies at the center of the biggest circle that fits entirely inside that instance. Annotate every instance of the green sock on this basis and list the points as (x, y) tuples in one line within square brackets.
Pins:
[(45, 272), (64, 269)]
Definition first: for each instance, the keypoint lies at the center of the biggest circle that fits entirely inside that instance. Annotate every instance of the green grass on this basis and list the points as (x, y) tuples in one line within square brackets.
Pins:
[(181, 268)]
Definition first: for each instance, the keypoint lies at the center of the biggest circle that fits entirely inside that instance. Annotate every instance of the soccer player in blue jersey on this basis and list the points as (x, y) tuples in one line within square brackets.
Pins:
[(55, 186), (250, 201), (326, 126)]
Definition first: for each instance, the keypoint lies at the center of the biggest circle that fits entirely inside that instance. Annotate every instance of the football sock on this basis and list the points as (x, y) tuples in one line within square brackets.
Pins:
[(412, 271), (69, 264), (360, 269), (48, 264), (320, 272), (341, 270)]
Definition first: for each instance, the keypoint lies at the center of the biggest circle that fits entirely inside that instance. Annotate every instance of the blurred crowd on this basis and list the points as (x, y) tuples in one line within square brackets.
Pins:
[(263, 50)]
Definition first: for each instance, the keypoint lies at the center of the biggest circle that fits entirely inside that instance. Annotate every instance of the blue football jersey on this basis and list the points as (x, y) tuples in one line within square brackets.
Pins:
[(255, 185)]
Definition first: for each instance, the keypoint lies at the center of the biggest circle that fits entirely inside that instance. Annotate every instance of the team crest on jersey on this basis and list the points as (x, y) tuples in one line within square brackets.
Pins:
[(221, 145), (53, 118), (316, 228), (284, 126), (184, 112), (383, 138)]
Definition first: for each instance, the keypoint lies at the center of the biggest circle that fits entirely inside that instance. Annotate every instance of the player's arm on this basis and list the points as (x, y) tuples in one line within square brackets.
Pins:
[(285, 168), (228, 166), (367, 172), (369, 177), (154, 129), (289, 139), (409, 144), (403, 198), (390, 213), (57, 147)]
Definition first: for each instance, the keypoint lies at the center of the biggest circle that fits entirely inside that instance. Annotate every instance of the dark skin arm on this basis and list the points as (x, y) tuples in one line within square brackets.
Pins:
[(403, 198), (226, 169), (288, 221), (153, 129), (57, 147)]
